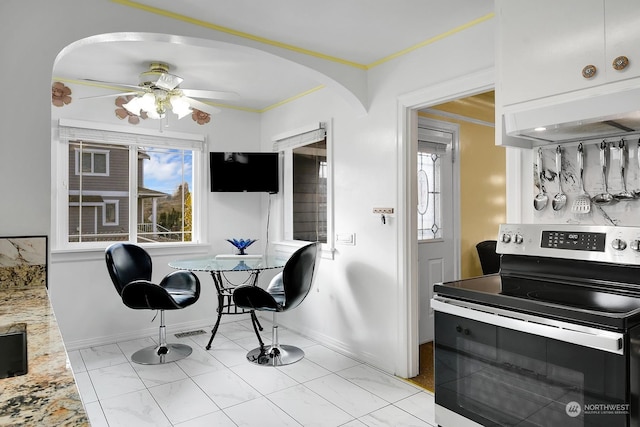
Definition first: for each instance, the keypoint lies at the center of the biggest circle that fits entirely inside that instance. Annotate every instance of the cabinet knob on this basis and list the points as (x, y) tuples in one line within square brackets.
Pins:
[(620, 63), (589, 71)]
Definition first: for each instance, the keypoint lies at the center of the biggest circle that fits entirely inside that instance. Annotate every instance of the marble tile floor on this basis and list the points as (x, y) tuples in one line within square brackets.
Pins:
[(220, 388)]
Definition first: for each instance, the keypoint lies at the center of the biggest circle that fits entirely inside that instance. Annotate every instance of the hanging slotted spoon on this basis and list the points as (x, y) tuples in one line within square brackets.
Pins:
[(582, 203)]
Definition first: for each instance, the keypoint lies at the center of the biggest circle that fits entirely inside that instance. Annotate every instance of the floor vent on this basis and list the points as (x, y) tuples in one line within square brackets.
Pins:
[(190, 333)]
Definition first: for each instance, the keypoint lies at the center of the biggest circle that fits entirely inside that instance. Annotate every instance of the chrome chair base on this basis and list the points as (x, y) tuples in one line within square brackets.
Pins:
[(275, 355), (158, 355)]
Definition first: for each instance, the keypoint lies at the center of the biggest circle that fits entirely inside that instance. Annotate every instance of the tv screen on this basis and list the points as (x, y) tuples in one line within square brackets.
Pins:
[(240, 172)]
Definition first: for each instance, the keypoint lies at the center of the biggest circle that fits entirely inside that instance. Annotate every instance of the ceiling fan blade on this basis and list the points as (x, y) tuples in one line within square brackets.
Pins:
[(210, 94), (201, 106), (111, 95), (113, 84)]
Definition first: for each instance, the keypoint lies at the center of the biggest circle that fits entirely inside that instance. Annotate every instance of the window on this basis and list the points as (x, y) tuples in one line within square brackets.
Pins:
[(307, 186), (126, 187), (429, 223), (94, 162), (432, 152), (111, 212), (310, 192)]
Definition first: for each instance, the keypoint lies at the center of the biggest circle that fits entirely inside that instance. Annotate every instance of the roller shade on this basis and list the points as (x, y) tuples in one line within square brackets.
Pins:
[(301, 139), (76, 131)]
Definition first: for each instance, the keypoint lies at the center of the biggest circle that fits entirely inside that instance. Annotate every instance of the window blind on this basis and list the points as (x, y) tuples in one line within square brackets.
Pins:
[(301, 139), (108, 136)]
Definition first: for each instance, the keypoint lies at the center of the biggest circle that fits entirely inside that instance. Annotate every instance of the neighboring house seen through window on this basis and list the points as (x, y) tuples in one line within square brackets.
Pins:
[(127, 189)]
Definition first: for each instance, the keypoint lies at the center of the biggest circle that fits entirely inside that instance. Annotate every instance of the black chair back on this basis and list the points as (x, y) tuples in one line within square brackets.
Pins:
[(489, 259), (127, 263), (298, 274)]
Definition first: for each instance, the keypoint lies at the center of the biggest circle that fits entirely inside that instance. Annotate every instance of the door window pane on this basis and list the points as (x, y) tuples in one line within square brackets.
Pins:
[(429, 204)]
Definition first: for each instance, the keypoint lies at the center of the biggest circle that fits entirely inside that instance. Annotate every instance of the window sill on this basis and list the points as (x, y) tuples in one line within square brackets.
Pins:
[(93, 253), (286, 248)]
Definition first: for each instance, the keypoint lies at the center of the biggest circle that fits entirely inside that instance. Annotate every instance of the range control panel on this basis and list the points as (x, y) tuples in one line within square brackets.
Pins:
[(575, 240), (587, 242)]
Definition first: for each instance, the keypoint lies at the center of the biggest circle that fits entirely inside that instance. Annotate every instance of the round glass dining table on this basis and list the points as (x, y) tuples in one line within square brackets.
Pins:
[(218, 266)]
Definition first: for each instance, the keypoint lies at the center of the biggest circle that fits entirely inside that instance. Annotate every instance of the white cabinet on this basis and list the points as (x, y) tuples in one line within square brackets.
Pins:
[(544, 45)]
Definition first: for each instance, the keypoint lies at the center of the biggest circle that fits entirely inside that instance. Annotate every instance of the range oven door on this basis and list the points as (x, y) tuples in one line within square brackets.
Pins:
[(491, 375)]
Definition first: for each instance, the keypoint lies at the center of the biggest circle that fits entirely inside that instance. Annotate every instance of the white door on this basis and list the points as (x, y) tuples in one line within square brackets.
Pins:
[(436, 216)]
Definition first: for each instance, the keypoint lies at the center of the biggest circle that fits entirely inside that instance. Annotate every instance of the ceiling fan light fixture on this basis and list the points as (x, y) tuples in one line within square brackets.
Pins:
[(133, 106), (149, 102), (180, 106)]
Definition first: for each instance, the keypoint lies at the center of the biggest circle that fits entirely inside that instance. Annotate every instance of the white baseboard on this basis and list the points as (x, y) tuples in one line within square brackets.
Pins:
[(341, 347), (151, 331)]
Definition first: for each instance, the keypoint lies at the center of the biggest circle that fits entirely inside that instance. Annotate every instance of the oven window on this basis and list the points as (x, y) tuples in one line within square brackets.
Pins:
[(498, 376)]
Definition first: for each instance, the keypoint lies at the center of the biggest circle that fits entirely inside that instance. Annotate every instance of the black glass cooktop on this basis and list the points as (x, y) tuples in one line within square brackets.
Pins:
[(590, 305)]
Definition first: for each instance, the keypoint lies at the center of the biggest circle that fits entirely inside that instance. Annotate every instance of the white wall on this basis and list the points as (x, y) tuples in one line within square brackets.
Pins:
[(83, 277), (356, 305)]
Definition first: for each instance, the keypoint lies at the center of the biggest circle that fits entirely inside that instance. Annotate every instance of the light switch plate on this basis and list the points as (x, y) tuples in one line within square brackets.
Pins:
[(346, 239)]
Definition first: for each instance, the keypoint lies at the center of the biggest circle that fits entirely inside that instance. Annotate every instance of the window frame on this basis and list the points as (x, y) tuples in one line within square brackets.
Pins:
[(118, 135), (93, 152), (116, 221), (286, 242)]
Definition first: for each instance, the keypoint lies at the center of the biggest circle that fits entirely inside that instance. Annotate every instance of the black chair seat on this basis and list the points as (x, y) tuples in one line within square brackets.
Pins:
[(130, 267), (489, 259), (285, 292), (254, 298)]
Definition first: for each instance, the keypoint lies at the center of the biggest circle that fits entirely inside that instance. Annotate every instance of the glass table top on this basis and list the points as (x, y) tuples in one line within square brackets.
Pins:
[(211, 263)]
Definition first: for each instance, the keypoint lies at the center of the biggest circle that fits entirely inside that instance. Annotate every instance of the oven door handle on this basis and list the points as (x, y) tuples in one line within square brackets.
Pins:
[(562, 331)]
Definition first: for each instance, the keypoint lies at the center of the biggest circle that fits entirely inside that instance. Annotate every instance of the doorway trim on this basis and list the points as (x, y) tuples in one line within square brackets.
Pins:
[(408, 301), (454, 148)]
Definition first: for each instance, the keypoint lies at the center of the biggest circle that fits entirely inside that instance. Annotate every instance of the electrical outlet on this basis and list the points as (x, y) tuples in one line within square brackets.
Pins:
[(383, 211)]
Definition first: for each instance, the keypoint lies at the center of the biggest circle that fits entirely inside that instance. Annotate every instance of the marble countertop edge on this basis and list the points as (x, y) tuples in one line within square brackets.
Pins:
[(47, 394)]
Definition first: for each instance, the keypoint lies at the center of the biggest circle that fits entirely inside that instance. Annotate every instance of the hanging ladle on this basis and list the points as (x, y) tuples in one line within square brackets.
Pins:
[(560, 199), (637, 192), (624, 194), (604, 197), (541, 199)]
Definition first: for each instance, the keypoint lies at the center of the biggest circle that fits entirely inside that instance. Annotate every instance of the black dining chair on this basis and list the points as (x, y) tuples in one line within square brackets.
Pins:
[(285, 292), (489, 259), (130, 270)]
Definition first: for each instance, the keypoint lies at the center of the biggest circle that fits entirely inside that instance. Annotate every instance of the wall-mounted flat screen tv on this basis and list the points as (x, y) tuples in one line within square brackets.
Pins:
[(244, 172)]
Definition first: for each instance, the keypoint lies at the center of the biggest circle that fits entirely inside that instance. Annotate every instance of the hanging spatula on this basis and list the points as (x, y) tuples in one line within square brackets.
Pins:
[(582, 203)]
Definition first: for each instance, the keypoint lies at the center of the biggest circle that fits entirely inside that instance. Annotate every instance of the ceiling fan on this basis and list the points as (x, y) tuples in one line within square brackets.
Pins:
[(159, 91)]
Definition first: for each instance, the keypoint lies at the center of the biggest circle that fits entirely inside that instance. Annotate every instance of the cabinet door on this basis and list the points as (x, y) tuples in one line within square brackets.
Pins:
[(544, 45), (622, 25)]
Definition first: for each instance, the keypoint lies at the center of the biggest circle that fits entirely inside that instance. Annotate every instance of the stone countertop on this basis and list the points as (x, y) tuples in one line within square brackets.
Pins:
[(47, 395)]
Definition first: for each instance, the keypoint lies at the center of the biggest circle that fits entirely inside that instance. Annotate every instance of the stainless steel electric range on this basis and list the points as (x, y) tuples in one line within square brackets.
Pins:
[(553, 339)]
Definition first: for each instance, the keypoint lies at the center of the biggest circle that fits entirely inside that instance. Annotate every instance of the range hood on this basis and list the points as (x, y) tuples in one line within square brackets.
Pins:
[(601, 116)]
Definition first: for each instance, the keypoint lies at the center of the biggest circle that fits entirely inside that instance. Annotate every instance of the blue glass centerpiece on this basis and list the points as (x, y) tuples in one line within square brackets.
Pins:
[(241, 244)]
